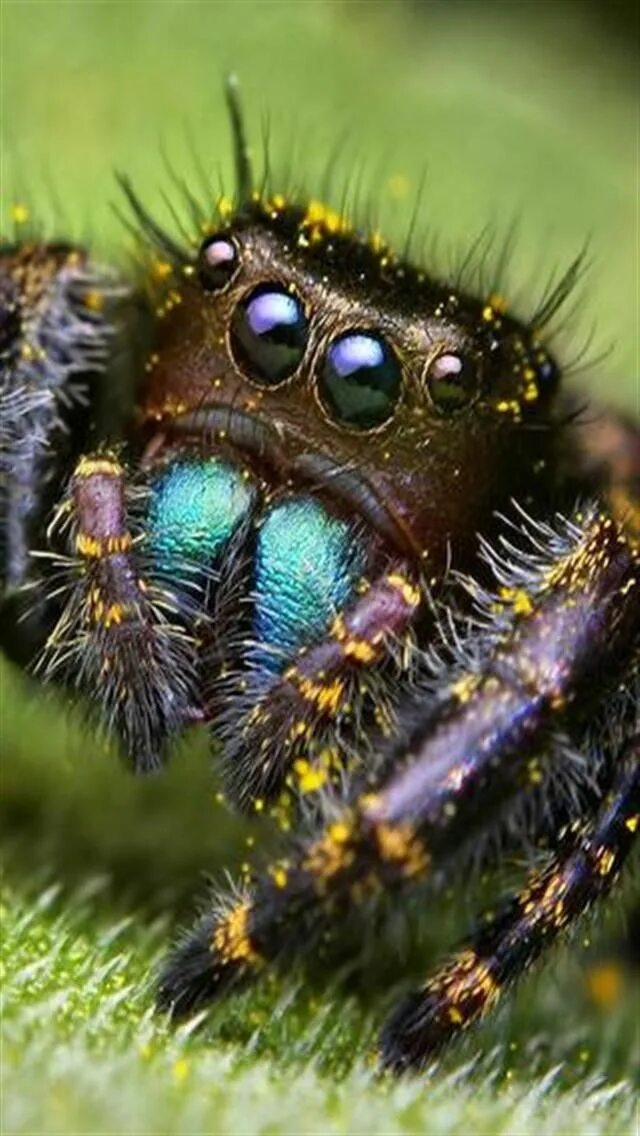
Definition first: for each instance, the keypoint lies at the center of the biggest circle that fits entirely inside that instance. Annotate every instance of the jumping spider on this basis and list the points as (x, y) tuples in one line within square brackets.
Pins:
[(354, 524)]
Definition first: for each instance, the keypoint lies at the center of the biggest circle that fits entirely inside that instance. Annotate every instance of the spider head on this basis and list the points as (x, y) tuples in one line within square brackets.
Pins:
[(323, 359)]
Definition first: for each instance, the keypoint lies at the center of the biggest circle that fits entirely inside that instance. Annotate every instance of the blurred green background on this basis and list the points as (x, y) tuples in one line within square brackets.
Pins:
[(524, 110)]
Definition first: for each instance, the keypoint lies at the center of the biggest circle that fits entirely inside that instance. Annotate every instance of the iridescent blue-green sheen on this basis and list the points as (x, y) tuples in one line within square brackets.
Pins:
[(307, 566), (195, 507)]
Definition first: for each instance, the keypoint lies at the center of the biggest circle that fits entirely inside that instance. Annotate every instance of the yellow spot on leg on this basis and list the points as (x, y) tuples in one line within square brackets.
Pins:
[(231, 938)]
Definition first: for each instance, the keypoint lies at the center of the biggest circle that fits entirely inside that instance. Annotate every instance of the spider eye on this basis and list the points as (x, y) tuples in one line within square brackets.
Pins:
[(453, 381), (218, 262), (268, 334), (360, 380)]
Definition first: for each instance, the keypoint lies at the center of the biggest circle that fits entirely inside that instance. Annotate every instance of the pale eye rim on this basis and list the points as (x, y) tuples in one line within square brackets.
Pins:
[(320, 359)]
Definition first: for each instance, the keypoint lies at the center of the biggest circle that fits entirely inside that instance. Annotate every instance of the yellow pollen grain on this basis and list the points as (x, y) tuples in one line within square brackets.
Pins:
[(508, 406), (330, 854), (339, 832), (310, 778), (398, 844), (279, 875), (465, 687), (321, 219)]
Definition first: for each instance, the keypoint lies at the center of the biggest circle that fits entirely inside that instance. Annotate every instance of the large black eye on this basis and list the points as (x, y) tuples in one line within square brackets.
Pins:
[(218, 262), (360, 380), (453, 381), (268, 334)]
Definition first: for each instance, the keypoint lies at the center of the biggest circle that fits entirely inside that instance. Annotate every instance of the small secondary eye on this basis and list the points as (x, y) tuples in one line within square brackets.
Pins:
[(360, 380), (453, 381), (268, 334), (218, 262)]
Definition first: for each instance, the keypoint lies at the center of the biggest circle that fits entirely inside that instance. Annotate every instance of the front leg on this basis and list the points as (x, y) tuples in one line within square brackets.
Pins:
[(55, 339), (120, 639), (284, 732)]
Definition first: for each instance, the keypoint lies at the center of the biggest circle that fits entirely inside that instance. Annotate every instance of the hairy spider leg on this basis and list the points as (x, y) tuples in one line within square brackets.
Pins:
[(582, 871), (463, 755), (286, 734), (119, 635), (56, 333)]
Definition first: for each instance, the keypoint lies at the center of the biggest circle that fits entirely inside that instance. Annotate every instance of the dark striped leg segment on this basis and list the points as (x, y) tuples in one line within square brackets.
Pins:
[(286, 737), (529, 924), (466, 751), (119, 640)]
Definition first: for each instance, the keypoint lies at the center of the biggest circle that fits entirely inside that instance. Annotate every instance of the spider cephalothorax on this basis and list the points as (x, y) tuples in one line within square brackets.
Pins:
[(321, 432)]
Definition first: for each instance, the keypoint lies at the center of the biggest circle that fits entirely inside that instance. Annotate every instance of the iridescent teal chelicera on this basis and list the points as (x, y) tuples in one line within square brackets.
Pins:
[(307, 566), (195, 508)]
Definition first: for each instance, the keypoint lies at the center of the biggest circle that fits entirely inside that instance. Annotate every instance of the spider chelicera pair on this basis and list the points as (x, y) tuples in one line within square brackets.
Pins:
[(265, 544)]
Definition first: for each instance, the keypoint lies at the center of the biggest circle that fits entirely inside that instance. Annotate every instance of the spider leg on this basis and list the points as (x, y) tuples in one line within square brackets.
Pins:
[(465, 751), (55, 337), (581, 872), (118, 639), (289, 726)]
